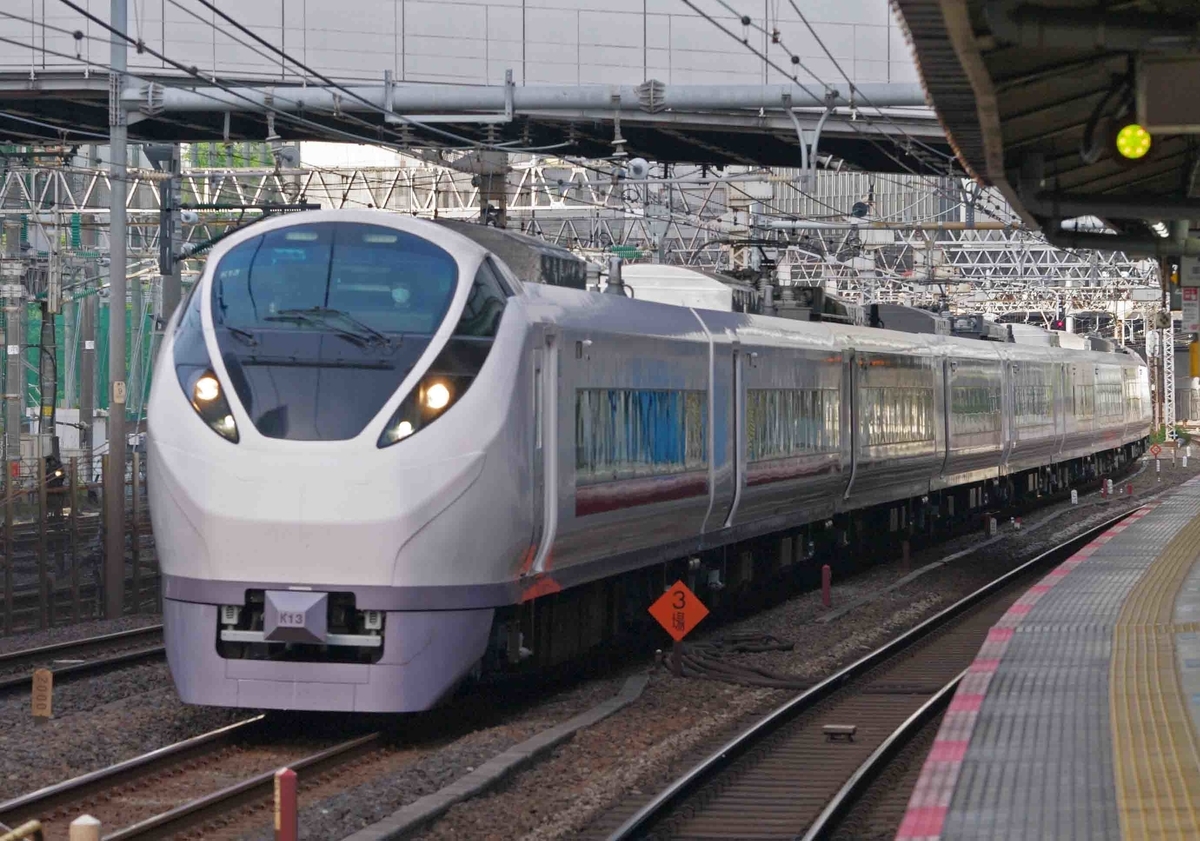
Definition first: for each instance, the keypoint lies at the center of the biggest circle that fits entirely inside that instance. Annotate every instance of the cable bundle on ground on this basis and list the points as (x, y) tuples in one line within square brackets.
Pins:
[(708, 659)]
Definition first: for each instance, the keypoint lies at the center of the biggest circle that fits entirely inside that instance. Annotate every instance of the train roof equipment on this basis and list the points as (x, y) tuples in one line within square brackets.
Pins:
[(908, 319), (1031, 334), (680, 285), (812, 303), (976, 326), (533, 259)]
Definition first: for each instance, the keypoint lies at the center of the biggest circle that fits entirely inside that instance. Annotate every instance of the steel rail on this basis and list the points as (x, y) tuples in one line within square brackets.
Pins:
[(677, 791), (46, 800), (104, 639), (258, 787), (854, 788)]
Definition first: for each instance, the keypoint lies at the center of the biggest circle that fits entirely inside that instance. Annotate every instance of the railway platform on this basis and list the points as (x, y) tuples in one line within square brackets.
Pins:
[(1079, 717)]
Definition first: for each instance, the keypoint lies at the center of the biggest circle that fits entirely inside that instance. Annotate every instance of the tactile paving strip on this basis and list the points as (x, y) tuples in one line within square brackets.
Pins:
[(1027, 748), (1154, 744)]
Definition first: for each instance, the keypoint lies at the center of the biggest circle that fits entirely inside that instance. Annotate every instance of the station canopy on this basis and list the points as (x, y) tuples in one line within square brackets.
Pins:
[(1073, 109)]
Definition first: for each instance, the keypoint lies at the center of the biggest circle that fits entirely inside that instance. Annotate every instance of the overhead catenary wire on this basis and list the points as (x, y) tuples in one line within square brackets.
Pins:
[(936, 187), (328, 81), (854, 89), (192, 71)]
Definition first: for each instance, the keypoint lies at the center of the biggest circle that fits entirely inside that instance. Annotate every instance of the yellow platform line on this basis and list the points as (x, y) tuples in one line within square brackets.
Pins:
[(1156, 757)]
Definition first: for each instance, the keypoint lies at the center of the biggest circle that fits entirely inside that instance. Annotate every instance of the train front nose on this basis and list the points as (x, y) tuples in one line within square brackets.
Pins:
[(297, 518), (277, 591), (281, 497)]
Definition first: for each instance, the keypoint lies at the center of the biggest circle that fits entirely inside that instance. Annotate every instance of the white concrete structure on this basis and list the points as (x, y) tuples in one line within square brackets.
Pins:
[(476, 41)]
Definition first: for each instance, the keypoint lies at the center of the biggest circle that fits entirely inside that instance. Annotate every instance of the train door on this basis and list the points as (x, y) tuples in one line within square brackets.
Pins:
[(1066, 407), (948, 368), (850, 419), (737, 431), (544, 498)]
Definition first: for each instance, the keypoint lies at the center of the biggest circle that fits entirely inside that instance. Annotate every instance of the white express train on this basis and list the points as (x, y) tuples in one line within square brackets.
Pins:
[(380, 463)]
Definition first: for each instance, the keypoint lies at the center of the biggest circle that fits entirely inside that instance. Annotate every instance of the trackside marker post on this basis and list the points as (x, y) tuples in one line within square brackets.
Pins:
[(826, 585), (285, 805), (43, 695), (85, 828), (678, 610)]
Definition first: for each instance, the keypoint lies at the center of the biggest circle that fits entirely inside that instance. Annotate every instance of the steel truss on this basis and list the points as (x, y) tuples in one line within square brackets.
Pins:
[(693, 217)]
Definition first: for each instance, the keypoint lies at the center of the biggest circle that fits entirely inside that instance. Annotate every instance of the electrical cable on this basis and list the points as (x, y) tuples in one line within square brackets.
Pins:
[(854, 89), (379, 109), (710, 659), (192, 71), (63, 130)]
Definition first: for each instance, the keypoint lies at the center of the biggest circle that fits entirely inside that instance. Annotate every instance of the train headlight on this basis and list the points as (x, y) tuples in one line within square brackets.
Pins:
[(208, 399), (437, 396), (423, 405), (206, 389)]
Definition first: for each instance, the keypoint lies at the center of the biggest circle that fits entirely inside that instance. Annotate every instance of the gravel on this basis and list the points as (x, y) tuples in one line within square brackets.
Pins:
[(335, 814), (78, 631), (97, 721)]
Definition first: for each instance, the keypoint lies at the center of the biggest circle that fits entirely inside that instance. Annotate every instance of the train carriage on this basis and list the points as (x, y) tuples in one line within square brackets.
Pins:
[(380, 463)]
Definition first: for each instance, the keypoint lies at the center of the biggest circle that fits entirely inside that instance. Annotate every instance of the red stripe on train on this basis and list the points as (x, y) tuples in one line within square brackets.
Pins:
[(630, 493)]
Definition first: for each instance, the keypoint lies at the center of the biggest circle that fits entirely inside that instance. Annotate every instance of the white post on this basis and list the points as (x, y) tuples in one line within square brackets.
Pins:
[(85, 828)]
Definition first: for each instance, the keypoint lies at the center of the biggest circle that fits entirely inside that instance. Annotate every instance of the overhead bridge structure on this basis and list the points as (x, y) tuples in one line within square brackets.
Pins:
[(589, 78), (715, 124)]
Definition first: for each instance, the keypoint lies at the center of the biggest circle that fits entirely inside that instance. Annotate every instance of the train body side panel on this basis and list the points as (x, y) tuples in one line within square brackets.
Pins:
[(975, 414), (633, 418), (791, 417)]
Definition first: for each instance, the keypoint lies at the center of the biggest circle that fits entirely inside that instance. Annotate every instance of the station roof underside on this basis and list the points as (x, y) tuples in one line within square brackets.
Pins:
[(1021, 85), (704, 137)]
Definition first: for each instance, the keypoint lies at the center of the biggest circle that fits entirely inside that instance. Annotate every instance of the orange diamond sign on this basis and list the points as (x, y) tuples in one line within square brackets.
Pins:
[(678, 611), (1155, 450)]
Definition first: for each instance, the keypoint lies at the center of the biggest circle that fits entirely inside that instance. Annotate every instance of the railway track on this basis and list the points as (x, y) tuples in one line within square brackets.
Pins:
[(152, 796), (84, 656), (787, 777)]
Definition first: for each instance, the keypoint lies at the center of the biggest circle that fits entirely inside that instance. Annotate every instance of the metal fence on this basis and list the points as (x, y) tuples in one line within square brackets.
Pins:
[(52, 543)]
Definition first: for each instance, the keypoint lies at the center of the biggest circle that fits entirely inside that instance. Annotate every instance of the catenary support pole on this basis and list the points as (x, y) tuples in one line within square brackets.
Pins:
[(172, 281), (114, 488)]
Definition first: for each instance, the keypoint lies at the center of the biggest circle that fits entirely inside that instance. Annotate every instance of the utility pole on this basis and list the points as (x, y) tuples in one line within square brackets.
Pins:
[(86, 315), (169, 234), (87, 381), (14, 323), (114, 477), (493, 187)]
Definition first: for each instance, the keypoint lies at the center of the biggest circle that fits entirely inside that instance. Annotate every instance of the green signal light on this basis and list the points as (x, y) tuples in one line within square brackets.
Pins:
[(1133, 142)]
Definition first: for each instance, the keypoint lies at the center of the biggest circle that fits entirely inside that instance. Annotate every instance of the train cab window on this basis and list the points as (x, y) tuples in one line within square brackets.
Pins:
[(318, 324), (301, 277), (485, 304), (508, 281), (460, 361)]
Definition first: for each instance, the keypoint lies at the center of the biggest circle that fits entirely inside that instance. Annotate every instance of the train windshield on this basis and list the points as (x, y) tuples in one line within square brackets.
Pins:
[(319, 323)]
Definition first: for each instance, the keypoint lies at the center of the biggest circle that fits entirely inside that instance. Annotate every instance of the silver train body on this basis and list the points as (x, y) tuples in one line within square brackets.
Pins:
[(361, 564)]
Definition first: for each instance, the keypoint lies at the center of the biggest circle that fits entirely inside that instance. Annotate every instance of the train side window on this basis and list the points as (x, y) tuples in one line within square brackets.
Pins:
[(485, 304), (507, 279)]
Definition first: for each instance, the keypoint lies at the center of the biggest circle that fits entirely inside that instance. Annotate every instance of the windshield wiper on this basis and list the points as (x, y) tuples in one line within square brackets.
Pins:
[(303, 318), (245, 335), (361, 328)]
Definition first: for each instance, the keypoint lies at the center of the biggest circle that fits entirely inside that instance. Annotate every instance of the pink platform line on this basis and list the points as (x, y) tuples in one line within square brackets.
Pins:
[(930, 800)]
